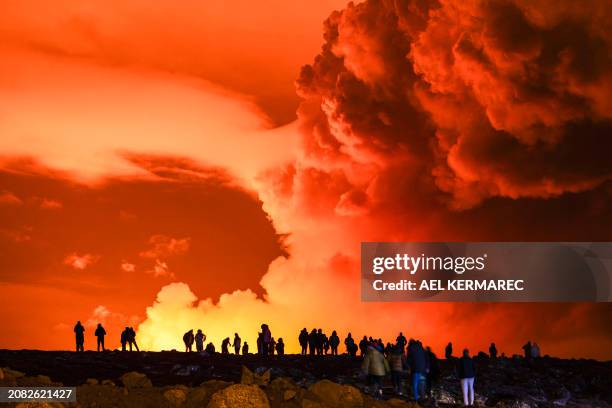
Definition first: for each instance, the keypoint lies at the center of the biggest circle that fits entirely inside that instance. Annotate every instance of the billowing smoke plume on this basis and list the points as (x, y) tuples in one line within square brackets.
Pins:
[(450, 120)]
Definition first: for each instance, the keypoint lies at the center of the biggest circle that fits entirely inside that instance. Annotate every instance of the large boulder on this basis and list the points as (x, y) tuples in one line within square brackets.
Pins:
[(134, 380), (250, 378), (12, 374), (176, 396), (337, 395), (239, 395)]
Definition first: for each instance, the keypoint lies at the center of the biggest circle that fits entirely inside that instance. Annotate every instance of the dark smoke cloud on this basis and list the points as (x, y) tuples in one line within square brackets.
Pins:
[(479, 99)]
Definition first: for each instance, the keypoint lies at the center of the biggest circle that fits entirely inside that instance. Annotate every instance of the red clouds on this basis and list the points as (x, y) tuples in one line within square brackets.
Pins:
[(486, 98)]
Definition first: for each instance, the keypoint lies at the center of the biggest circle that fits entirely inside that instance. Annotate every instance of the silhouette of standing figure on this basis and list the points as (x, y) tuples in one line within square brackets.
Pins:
[(188, 339), (527, 350), (266, 337), (448, 352), (493, 351), (132, 338), (100, 333), (225, 346), (312, 341), (280, 347), (124, 338), (245, 348), (79, 332), (334, 342), (272, 346), (237, 342), (303, 339), (199, 340)]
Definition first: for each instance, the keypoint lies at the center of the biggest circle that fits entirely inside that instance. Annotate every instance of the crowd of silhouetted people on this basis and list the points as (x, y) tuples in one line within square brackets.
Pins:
[(401, 360)]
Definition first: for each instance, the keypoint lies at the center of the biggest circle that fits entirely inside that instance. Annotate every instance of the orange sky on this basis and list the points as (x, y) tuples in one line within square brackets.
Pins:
[(180, 166)]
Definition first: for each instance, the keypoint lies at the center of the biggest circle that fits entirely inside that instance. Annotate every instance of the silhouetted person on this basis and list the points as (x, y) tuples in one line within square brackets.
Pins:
[(401, 341), (245, 348), (351, 347), (124, 338), (325, 344), (259, 343), (397, 362), (200, 338), (79, 333), (188, 339), (466, 370), (272, 346), (433, 374), (131, 338), (100, 333), (535, 350), (237, 343), (303, 339), (266, 336), (363, 345), (334, 342), (417, 360), (210, 348), (492, 351), (375, 366), (280, 347), (225, 345), (527, 350), (312, 342), (388, 349), (448, 351), (319, 340)]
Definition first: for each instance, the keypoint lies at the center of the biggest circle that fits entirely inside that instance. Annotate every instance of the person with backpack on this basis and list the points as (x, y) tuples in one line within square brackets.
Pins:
[(188, 339), (375, 366), (397, 363)]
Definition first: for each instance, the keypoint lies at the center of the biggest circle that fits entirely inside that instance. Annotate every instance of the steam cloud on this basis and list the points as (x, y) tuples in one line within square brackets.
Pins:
[(478, 120)]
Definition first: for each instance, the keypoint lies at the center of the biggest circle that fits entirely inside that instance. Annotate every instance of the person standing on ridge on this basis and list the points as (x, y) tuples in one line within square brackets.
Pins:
[(280, 347), (466, 370), (100, 333), (266, 337), (312, 342), (188, 339), (334, 342), (363, 345), (79, 333), (200, 338), (303, 339), (493, 351), (375, 366), (225, 345), (448, 351), (401, 341), (236, 344), (132, 338)]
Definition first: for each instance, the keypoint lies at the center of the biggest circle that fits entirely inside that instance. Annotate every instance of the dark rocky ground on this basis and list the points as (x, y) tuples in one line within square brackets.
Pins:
[(546, 382)]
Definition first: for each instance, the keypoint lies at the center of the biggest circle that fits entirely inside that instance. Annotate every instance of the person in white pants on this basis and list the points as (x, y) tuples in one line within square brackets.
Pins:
[(466, 370), (467, 386)]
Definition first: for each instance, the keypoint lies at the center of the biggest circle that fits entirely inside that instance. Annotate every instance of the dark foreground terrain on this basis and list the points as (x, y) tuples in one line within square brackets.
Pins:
[(192, 380)]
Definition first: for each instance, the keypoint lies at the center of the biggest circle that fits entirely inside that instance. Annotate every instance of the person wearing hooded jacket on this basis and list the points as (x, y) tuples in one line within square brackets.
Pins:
[(375, 366), (417, 360), (466, 371)]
